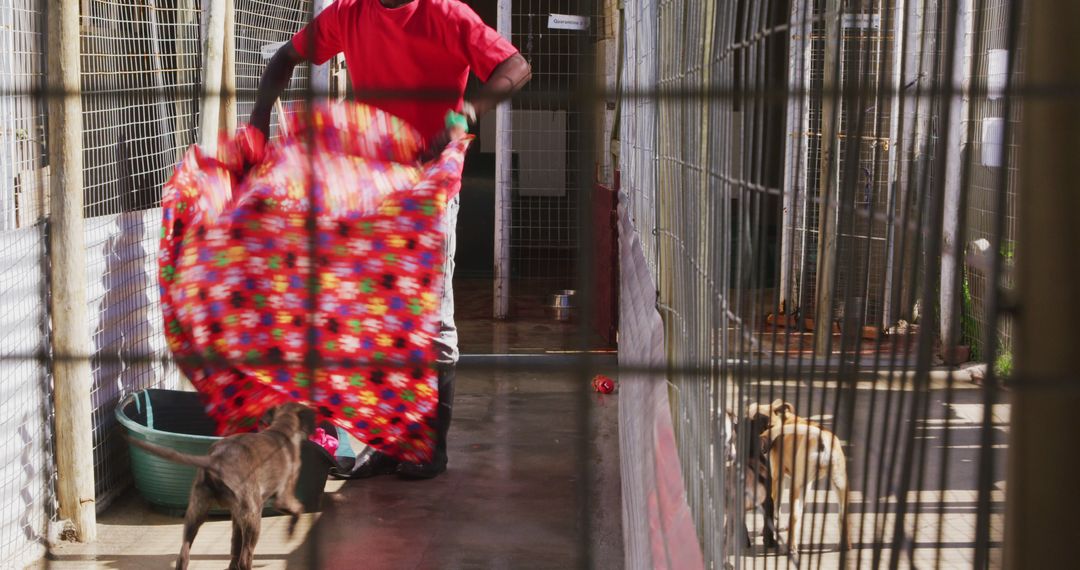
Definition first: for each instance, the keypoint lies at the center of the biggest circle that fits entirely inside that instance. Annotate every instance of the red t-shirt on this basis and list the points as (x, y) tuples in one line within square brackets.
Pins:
[(425, 48)]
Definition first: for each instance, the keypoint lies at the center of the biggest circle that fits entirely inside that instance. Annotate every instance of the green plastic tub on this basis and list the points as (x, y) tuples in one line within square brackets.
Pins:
[(176, 419)]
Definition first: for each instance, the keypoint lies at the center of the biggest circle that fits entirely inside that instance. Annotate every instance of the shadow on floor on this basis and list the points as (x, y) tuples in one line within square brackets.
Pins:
[(522, 457)]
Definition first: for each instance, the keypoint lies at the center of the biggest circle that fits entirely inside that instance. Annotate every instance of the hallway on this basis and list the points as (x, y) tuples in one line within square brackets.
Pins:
[(511, 498)]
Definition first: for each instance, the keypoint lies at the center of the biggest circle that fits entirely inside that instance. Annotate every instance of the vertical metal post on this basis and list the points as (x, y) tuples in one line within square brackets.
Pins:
[(186, 63), (1041, 523), (213, 63), (826, 262), (8, 140), (954, 155), (71, 342), (166, 127), (228, 68), (320, 74), (503, 181), (901, 132), (795, 152)]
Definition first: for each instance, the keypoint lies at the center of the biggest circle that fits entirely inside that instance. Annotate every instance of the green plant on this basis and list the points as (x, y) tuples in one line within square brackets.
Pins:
[(969, 326), (1003, 363), (1008, 249)]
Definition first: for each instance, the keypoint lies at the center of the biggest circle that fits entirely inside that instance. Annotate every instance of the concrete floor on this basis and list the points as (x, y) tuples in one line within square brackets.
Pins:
[(531, 329), (512, 496), (522, 463)]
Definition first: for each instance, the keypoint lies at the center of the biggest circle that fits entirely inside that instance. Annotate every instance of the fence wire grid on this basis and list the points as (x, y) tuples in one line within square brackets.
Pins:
[(787, 170), (798, 252)]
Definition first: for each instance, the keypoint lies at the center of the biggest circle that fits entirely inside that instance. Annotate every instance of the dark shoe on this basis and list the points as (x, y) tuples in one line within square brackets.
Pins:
[(374, 464), (442, 427), (420, 470)]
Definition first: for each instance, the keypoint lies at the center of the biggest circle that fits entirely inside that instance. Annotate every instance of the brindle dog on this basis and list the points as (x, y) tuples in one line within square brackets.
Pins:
[(242, 472)]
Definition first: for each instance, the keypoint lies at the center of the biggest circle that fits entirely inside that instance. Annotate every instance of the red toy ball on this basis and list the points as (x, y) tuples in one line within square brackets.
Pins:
[(603, 384)]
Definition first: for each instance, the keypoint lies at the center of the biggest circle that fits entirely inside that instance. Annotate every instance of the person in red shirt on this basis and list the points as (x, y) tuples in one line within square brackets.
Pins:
[(411, 58)]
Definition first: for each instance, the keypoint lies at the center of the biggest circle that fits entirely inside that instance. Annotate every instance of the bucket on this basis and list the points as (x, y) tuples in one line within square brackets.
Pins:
[(176, 420)]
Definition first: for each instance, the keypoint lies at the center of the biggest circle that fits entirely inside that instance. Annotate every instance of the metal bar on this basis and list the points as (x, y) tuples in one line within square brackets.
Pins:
[(503, 185), (826, 262), (228, 68), (9, 141), (900, 134), (185, 104), (954, 154), (320, 74), (166, 127), (794, 165)]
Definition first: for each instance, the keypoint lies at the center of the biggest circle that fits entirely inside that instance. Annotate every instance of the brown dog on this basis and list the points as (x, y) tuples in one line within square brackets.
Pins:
[(242, 472), (755, 492), (805, 452)]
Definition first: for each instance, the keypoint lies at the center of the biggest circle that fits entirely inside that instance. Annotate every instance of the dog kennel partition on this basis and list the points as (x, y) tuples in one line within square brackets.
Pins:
[(725, 108), (142, 67), (141, 80), (792, 154), (27, 492)]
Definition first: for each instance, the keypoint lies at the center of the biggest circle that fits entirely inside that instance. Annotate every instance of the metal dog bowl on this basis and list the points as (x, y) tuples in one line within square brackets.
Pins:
[(562, 305), (177, 420)]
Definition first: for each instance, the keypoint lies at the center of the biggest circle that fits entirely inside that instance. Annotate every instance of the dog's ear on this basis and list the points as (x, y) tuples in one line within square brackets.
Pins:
[(307, 419), (782, 408), (267, 417)]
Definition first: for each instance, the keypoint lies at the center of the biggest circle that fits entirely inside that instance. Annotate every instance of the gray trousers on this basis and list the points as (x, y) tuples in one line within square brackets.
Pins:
[(446, 342)]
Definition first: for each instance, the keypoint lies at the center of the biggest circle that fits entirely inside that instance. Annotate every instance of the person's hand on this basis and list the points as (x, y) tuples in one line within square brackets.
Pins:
[(261, 122), (457, 126)]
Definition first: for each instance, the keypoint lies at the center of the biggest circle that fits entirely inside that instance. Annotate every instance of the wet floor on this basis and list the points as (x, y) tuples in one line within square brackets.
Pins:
[(533, 480), (520, 459), (524, 463)]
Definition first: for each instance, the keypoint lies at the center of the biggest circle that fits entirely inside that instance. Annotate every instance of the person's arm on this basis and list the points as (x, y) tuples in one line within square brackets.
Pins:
[(274, 80), (506, 79)]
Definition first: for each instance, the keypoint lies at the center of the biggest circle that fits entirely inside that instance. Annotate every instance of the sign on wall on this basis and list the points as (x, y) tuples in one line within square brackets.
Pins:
[(567, 22)]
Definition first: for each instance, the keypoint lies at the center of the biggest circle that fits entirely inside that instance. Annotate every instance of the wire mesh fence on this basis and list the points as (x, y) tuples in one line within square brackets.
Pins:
[(823, 125), (784, 165), (141, 79), (148, 56), (27, 476), (989, 154), (259, 24)]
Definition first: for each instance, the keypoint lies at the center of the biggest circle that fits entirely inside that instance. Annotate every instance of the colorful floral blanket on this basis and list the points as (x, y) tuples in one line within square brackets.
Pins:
[(310, 270)]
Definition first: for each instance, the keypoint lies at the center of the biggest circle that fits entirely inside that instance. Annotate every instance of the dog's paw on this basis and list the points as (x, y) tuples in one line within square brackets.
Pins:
[(293, 521)]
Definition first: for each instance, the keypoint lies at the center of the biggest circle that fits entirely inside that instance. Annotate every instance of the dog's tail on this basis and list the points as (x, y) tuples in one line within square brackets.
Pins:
[(200, 461)]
